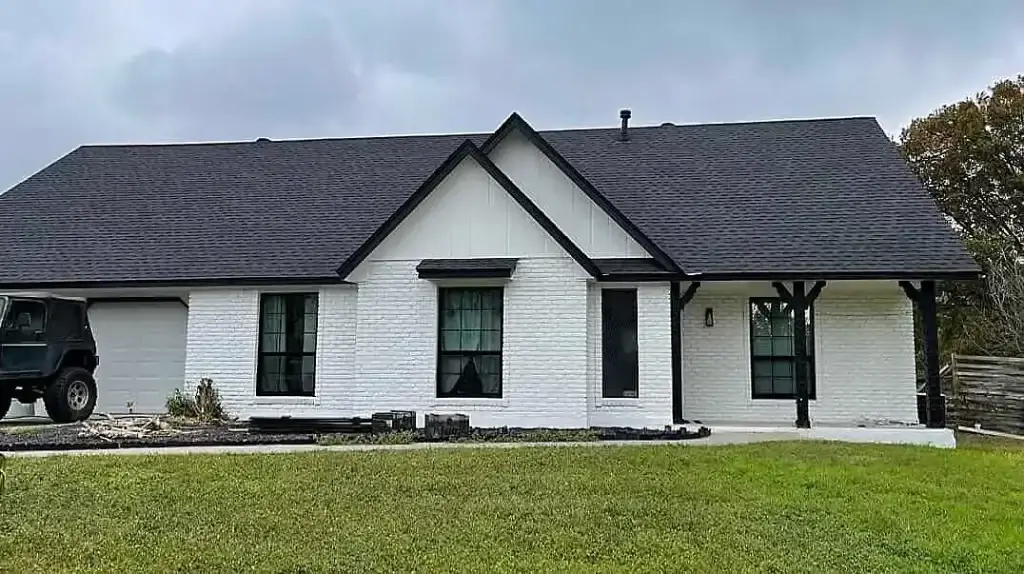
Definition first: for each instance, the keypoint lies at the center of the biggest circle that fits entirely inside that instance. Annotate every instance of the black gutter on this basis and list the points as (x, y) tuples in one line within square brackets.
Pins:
[(205, 282), (92, 301), (959, 275)]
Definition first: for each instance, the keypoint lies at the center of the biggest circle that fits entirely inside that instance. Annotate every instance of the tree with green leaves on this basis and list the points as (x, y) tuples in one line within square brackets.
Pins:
[(970, 156)]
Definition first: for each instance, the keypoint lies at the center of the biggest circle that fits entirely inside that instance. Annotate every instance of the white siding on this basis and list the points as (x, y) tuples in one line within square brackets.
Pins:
[(863, 342), (467, 215), (653, 406), (560, 199)]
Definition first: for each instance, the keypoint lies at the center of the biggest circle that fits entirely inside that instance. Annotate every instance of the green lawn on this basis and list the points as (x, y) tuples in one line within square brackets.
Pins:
[(783, 507)]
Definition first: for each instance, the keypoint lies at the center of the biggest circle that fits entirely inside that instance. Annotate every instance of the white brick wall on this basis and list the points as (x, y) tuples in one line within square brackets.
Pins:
[(863, 342), (552, 352), (222, 345), (377, 348), (543, 346), (653, 407)]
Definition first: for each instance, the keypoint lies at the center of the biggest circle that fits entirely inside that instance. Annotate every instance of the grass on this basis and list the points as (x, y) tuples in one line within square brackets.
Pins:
[(775, 507)]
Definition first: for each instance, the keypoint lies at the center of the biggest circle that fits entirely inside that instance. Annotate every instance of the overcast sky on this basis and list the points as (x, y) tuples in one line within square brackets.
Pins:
[(102, 71)]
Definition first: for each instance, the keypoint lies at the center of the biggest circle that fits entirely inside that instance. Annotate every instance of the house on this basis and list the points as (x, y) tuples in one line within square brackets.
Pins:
[(748, 274)]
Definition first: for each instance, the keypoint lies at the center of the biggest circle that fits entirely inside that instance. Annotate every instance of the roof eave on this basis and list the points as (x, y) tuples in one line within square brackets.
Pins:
[(172, 282), (880, 275), (515, 122)]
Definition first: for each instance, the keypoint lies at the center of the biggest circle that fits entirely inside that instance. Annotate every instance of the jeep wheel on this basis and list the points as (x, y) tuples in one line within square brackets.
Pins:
[(71, 397), (5, 403)]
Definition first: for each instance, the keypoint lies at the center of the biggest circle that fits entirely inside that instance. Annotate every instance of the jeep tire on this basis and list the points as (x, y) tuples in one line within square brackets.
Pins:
[(71, 397)]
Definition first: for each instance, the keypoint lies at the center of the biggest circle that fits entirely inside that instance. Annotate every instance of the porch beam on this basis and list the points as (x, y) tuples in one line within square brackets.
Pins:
[(784, 293), (688, 294), (814, 292), (935, 405), (912, 292)]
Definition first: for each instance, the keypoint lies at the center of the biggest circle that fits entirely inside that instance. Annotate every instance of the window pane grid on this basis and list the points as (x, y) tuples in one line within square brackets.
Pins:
[(287, 363), (469, 341), (773, 362)]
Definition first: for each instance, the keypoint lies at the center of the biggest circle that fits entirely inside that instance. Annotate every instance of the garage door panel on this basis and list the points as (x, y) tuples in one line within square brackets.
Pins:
[(142, 354)]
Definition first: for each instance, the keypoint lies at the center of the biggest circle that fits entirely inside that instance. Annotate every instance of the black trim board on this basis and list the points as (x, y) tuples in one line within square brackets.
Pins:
[(880, 275), (516, 122), (467, 150), (204, 282), (676, 335), (94, 300)]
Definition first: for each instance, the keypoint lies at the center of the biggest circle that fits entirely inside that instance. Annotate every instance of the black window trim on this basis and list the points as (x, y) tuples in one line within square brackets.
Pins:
[(438, 395), (259, 346), (636, 298), (811, 374)]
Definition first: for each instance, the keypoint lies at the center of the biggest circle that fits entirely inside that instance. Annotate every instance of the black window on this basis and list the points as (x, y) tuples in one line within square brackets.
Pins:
[(620, 364), (25, 322), (469, 357), (772, 355), (287, 356)]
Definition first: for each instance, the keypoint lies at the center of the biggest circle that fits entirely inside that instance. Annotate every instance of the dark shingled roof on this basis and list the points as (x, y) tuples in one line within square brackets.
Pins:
[(781, 199)]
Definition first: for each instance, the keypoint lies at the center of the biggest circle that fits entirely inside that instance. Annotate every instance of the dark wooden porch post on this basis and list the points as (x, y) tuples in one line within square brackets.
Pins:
[(799, 305), (800, 301), (936, 406)]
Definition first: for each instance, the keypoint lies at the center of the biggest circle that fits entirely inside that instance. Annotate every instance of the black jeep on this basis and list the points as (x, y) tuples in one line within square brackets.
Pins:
[(47, 351)]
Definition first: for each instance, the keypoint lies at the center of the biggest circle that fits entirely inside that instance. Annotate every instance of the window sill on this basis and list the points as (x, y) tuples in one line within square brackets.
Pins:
[(456, 403), (288, 399), (618, 403)]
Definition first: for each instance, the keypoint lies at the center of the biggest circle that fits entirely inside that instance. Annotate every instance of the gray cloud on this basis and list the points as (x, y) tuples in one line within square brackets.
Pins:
[(274, 73), (85, 71)]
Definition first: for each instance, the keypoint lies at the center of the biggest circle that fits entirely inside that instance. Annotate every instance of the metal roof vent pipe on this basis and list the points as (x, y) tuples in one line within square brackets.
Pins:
[(624, 133)]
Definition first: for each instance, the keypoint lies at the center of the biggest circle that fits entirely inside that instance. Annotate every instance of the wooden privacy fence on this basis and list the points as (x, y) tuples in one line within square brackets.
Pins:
[(988, 391)]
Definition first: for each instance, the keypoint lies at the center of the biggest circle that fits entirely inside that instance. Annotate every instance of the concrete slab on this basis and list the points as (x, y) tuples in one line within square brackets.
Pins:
[(943, 438)]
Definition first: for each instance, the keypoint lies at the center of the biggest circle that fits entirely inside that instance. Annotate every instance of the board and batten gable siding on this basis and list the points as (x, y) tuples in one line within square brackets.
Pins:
[(653, 405), (864, 348), (468, 215), (222, 345), (586, 224)]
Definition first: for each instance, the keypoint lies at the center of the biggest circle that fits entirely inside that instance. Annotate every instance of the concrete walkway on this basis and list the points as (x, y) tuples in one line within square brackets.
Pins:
[(714, 439)]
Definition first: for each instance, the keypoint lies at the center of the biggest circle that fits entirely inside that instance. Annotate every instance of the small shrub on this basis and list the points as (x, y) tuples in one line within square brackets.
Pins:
[(180, 405), (204, 406)]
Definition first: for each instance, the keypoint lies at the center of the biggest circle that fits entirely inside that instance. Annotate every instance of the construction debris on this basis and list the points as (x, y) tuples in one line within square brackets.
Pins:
[(113, 429)]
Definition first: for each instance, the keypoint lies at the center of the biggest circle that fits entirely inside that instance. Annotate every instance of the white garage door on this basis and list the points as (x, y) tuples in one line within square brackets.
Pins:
[(142, 354)]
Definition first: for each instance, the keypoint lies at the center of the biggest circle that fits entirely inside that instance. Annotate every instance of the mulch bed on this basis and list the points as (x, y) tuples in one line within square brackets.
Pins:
[(66, 437)]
